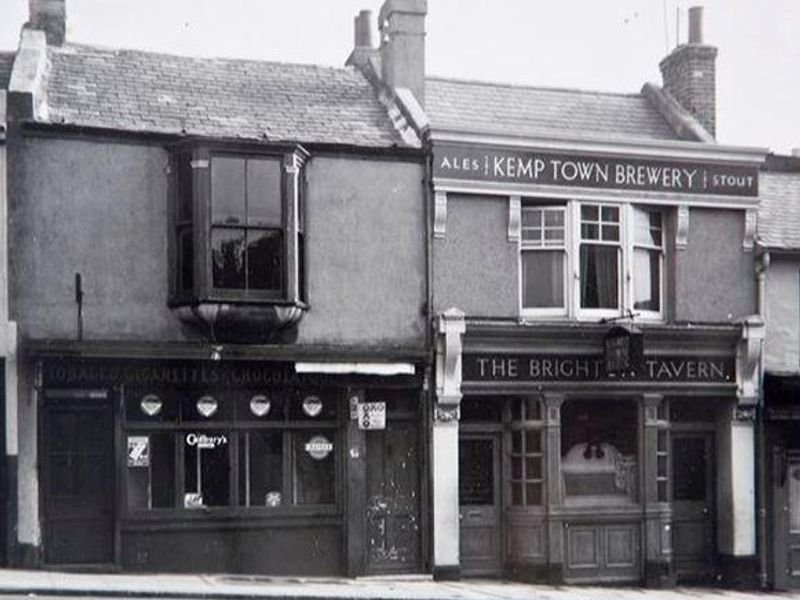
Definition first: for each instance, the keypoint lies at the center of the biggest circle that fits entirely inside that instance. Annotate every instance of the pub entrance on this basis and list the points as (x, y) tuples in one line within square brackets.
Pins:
[(479, 504), (77, 450), (693, 535)]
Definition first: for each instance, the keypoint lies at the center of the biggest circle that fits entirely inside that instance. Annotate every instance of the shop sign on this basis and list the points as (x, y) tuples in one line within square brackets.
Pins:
[(312, 406), (372, 415), (138, 451), (205, 442), (593, 171), (319, 447), (577, 368)]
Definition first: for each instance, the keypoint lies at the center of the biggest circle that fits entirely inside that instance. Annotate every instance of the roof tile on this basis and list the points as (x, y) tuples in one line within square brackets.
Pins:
[(779, 210)]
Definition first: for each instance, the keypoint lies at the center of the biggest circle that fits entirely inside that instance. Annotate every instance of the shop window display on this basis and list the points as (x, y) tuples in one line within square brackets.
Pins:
[(196, 441)]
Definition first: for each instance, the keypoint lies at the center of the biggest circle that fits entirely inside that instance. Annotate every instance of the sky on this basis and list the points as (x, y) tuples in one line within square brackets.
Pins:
[(608, 45)]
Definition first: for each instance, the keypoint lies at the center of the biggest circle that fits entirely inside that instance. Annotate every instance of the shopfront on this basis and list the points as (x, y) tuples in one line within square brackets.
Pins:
[(230, 466), (572, 473)]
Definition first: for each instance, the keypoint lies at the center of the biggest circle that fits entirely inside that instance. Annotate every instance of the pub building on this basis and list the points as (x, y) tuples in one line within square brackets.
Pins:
[(218, 275), (597, 339), (779, 265)]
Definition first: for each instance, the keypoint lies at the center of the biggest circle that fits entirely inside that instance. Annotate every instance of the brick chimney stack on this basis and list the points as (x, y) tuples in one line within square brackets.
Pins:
[(689, 74), (363, 50), (402, 48), (49, 16)]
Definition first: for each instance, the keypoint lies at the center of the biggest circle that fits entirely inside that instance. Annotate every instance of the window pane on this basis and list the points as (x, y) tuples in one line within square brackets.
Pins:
[(589, 212), (516, 494), (314, 474), (516, 468), (185, 197), (590, 232), (611, 213), (532, 236), (516, 442), (662, 491), (599, 276), (206, 469), (261, 469), (186, 259), (610, 233), (647, 227), (151, 471), (227, 190), (543, 279), (533, 494), (532, 409), (264, 198), (227, 258), (533, 442), (647, 279), (554, 237), (475, 472), (264, 252), (533, 468), (531, 217), (689, 477), (554, 217), (599, 451)]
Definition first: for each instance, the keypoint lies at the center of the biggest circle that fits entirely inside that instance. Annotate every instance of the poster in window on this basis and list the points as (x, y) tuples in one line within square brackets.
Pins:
[(138, 451), (372, 415)]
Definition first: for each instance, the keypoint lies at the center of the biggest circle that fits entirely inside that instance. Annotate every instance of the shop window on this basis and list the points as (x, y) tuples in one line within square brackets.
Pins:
[(525, 455), (249, 449), (599, 442), (615, 251), (237, 224)]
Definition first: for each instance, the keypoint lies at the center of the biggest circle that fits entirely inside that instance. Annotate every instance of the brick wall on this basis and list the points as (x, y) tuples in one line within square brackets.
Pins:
[(689, 74)]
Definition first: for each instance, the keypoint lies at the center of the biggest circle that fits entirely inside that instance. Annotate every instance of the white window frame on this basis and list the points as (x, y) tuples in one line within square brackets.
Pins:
[(599, 313), (561, 311), (572, 276), (631, 246)]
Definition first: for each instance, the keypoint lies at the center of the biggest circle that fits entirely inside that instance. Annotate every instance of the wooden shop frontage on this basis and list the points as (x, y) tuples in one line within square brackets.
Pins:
[(248, 466)]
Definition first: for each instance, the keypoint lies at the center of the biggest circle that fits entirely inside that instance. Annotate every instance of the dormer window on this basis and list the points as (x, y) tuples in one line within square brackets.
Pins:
[(237, 227)]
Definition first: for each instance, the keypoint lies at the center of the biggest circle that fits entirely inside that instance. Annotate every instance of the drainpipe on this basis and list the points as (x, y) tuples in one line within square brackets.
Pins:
[(762, 264)]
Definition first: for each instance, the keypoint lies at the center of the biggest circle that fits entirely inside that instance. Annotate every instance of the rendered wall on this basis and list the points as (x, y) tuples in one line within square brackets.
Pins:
[(782, 337), (714, 276), (475, 267), (100, 209)]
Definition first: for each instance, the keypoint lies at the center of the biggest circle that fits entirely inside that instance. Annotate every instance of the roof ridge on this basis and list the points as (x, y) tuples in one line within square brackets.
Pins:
[(68, 46), (525, 86)]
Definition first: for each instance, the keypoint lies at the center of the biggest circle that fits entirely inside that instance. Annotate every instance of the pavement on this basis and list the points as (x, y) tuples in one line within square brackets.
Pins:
[(421, 587)]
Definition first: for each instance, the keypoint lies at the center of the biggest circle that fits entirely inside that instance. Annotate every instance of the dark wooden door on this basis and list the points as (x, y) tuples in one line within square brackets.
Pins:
[(392, 511), (479, 504), (78, 477), (693, 536), (787, 520)]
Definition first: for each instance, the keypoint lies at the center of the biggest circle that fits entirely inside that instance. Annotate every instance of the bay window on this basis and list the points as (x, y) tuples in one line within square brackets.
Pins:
[(591, 260), (237, 226)]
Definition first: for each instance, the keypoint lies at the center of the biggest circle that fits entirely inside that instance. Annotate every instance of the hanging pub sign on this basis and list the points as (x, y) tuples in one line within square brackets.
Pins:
[(594, 171), (138, 451), (623, 348), (372, 415), (581, 368)]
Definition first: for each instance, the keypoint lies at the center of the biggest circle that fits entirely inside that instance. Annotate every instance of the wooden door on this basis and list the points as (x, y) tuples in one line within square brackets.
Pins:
[(77, 450), (787, 519), (479, 504), (392, 511), (693, 536)]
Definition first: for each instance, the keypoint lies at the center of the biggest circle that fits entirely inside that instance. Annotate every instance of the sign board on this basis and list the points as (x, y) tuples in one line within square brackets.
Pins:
[(577, 367), (319, 447), (372, 415), (204, 441), (594, 171), (138, 451)]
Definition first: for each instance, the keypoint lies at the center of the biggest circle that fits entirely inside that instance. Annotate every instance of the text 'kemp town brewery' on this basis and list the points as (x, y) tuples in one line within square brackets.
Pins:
[(272, 318)]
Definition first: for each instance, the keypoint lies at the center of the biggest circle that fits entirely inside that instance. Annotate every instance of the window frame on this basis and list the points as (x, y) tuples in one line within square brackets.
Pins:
[(292, 161), (525, 247), (626, 247), (288, 426)]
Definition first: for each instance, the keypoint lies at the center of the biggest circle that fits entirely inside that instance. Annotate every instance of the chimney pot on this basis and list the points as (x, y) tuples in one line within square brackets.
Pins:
[(363, 29), (696, 25), (49, 16)]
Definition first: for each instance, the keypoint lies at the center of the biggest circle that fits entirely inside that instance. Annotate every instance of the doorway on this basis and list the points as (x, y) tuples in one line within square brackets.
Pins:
[(693, 534), (479, 504), (77, 459)]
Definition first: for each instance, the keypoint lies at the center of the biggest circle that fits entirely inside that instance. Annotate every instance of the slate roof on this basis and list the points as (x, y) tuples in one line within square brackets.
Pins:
[(779, 210), (147, 92), (516, 110), (6, 60)]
